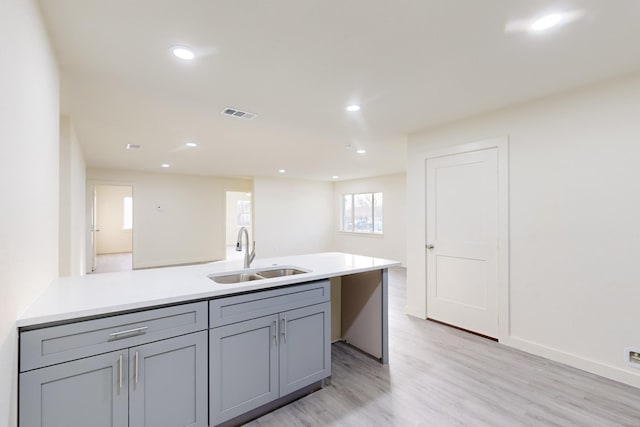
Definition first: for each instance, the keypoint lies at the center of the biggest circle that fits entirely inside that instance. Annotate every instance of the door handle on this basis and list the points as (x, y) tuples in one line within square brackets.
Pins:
[(430, 246)]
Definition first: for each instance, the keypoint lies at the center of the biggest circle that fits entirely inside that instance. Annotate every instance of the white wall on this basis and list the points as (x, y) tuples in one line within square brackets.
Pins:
[(574, 228), (292, 216), (112, 237), (177, 219), (72, 202), (392, 244), (29, 133)]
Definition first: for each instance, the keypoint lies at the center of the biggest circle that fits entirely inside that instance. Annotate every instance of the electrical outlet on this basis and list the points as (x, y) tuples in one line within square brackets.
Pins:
[(632, 357)]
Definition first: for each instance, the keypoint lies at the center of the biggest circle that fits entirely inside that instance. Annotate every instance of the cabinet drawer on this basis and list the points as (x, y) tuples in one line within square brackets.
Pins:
[(224, 311), (57, 344)]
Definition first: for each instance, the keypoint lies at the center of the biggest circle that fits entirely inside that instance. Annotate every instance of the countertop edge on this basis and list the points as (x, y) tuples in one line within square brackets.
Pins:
[(42, 320)]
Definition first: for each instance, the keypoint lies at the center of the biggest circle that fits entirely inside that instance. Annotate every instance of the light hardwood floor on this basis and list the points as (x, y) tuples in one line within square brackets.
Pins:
[(109, 263), (440, 376)]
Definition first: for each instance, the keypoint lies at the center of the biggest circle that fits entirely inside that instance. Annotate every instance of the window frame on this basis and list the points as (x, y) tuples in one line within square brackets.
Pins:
[(352, 196), (243, 208)]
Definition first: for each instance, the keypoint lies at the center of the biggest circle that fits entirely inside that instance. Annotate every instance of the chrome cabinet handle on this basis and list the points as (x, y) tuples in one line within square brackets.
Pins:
[(135, 368), (430, 246), (284, 328), (275, 332), (125, 334), (120, 373)]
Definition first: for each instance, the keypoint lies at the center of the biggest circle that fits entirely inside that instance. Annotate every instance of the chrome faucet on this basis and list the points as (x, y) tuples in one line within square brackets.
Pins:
[(248, 256)]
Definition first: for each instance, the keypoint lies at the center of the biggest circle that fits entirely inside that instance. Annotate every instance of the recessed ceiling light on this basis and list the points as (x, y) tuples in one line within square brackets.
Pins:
[(165, 165), (547, 22), (544, 22), (191, 144), (183, 53), (335, 177), (281, 170), (353, 108), (133, 146), (361, 151)]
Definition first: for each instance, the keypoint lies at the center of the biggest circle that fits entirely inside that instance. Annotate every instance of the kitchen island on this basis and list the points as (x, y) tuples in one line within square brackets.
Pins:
[(151, 337)]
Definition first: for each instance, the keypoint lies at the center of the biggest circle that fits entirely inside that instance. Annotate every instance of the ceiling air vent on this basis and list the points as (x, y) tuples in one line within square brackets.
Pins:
[(133, 146), (234, 112)]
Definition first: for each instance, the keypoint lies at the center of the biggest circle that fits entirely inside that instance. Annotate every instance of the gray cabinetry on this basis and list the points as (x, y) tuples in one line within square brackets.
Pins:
[(305, 350), (56, 344), (243, 367), (84, 392), (168, 382), (151, 380), (254, 361)]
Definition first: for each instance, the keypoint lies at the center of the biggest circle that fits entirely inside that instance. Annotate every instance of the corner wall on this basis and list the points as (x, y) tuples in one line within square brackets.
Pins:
[(574, 229), (177, 219), (29, 131), (72, 202), (392, 244)]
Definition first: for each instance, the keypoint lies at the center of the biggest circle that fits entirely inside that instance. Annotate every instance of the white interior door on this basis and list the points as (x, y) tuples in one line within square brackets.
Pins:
[(462, 240)]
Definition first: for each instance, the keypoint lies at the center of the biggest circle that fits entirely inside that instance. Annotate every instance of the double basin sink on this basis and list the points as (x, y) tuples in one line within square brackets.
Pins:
[(246, 276)]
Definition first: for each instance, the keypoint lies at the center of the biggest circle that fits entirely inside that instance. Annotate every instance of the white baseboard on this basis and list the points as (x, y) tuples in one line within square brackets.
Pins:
[(598, 368)]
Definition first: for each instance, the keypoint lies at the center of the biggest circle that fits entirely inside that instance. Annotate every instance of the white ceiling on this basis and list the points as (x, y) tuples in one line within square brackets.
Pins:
[(299, 63)]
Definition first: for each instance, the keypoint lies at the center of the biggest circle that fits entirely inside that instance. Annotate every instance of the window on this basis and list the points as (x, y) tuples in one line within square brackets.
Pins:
[(244, 212), (127, 221), (362, 213)]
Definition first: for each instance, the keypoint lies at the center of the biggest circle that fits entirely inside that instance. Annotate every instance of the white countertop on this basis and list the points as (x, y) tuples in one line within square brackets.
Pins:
[(69, 298)]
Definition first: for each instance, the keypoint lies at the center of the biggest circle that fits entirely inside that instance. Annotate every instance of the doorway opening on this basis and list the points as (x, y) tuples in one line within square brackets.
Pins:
[(238, 215), (112, 229)]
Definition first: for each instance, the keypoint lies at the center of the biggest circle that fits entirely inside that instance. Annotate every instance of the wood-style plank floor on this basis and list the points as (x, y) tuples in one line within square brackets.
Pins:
[(108, 263), (440, 376)]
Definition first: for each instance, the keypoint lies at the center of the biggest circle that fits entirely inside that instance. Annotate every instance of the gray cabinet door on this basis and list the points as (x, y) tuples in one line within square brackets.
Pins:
[(168, 383), (87, 392), (305, 348), (243, 367)]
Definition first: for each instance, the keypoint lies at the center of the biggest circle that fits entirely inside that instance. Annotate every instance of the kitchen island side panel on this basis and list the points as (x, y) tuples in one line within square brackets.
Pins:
[(364, 318)]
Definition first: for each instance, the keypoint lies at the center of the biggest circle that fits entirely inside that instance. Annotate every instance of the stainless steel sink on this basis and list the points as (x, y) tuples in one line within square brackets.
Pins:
[(235, 278), (279, 272), (247, 276)]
